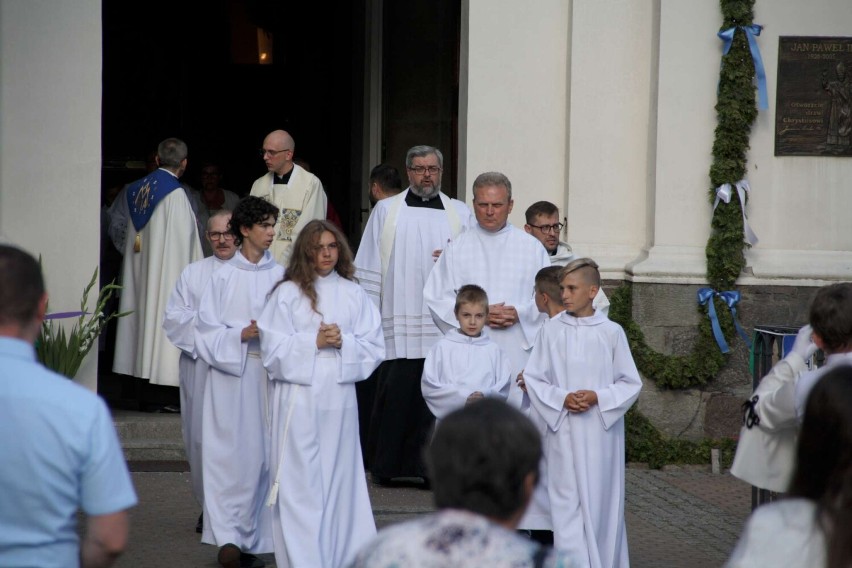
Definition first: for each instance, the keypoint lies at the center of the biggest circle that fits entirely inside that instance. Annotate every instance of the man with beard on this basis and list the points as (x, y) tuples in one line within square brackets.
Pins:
[(402, 239)]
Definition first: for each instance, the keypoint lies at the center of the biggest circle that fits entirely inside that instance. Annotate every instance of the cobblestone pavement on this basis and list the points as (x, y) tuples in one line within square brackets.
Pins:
[(683, 518), (675, 518)]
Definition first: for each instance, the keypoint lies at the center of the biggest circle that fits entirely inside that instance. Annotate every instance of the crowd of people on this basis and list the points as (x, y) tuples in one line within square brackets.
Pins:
[(444, 313)]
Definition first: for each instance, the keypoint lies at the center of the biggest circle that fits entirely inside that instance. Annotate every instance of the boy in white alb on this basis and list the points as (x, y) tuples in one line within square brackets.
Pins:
[(235, 426), (581, 380), (548, 299), (465, 365)]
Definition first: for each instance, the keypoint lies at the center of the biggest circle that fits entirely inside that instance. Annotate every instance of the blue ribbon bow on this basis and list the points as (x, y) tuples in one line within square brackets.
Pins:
[(731, 298), (751, 33)]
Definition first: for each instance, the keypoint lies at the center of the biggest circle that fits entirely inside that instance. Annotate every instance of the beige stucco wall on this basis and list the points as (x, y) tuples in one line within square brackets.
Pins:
[(797, 205), (513, 88), (50, 115), (606, 108)]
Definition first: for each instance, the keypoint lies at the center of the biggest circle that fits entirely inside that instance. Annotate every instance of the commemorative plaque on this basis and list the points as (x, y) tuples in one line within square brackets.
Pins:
[(813, 115)]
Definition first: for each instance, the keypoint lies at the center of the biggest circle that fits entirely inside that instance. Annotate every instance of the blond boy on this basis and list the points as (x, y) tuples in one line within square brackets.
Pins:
[(465, 365), (581, 380)]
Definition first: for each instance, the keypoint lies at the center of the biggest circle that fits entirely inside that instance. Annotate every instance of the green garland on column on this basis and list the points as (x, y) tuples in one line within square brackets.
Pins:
[(736, 111)]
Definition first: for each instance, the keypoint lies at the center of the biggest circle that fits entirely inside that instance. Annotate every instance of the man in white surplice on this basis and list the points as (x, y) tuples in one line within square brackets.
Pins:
[(501, 259), (404, 235), (235, 433), (179, 323), (295, 191), (162, 239)]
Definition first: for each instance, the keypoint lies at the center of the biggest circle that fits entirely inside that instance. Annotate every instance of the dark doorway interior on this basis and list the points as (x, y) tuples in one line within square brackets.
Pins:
[(185, 69), (421, 82), (193, 70)]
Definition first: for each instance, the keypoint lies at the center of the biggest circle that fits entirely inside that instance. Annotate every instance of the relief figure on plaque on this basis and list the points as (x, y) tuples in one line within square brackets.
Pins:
[(840, 119)]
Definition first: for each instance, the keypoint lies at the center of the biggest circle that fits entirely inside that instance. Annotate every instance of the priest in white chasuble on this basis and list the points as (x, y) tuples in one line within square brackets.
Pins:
[(179, 323), (295, 191), (162, 239), (402, 239), (503, 260), (235, 425)]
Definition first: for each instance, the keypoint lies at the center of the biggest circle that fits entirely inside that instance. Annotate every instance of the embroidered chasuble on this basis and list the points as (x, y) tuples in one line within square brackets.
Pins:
[(300, 201), (154, 256), (144, 195)]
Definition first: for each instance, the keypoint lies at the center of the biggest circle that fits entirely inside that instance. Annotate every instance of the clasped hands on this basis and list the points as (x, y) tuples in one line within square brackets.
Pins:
[(580, 401), (329, 336), (501, 315), (249, 332)]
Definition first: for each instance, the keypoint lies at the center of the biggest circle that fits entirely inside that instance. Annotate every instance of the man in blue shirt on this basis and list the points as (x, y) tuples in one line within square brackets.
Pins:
[(58, 446)]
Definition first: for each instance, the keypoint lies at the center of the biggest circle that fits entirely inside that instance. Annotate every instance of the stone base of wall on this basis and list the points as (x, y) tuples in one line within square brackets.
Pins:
[(669, 317)]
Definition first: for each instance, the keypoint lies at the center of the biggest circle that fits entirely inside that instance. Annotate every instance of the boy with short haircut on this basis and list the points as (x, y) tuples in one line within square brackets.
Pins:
[(766, 449), (581, 380), (548, 294), (548, 300), (831, 320), (465, 365)]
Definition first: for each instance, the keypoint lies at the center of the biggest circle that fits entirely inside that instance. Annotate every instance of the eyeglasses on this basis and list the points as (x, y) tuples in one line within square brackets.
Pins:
[(420, 170), (272, 153), (329, 247), (555, 228), (215, 236)]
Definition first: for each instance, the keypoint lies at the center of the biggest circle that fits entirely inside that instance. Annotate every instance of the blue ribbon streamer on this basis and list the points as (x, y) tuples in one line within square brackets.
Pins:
[(751, 33), (731, 298)]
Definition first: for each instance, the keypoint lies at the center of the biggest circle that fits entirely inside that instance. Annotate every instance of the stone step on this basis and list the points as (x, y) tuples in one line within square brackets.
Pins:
[(146, 436)]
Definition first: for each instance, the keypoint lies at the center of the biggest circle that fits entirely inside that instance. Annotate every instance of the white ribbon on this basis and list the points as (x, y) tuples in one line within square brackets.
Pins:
[(723, 193)]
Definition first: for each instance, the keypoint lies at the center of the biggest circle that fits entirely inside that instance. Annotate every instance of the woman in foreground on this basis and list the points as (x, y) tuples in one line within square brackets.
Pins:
[(812, 526)]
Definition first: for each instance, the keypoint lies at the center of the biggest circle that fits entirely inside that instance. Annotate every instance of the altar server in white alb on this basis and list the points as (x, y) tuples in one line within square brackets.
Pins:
[(465, 365), (162, 239), (503, 260), (179, 324), (581, 380), (235, 420), (295, 191), (402, 239), (320, 333)]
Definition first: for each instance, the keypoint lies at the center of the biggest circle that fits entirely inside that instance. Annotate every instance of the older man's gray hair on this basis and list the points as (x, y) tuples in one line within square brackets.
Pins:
[(422, 152), (489, 179)]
